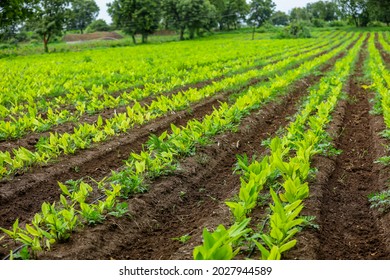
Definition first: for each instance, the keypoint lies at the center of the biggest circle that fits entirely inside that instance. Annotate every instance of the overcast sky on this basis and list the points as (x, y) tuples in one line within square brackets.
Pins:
[(281, 5)]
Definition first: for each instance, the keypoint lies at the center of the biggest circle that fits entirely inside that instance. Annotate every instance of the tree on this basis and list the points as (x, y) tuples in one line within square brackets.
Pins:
[(356, 9), (380, 10), (260, 11), (83, 13), (136, 16), (12, 13), (324, 10), (97, 25), (298, 14), (230, 12), (279, 18), (189, 14), (49, 19)]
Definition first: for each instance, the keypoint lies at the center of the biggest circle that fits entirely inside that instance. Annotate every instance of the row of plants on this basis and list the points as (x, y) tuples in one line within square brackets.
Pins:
[(159, 156), (31, 81), (284, 172), (84, 135), (379, 74), (98, 99)]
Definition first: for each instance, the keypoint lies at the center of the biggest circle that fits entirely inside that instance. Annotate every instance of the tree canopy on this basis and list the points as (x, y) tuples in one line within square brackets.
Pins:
[(82, 14), (261, 11)]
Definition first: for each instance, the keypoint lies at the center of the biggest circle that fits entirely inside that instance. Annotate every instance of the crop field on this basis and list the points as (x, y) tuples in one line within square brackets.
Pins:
[(219, 148)]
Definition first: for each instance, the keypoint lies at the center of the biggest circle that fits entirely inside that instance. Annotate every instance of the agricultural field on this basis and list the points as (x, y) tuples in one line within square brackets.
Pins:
[(218, 148)]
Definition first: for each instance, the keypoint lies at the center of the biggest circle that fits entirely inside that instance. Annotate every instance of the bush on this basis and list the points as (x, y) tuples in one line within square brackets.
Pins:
[(267, 27), (97, 25), (295, 30), (375, 24), (336, 23), (318, 22), (21, 36)]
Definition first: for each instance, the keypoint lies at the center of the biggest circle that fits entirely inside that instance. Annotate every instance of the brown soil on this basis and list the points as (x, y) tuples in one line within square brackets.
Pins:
[(348, 228), (92, 36)]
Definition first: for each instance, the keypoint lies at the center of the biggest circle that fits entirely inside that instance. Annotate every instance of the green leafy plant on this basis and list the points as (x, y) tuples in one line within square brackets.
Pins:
[(381, 201), (183, 239), (119, 210), (219, 244)]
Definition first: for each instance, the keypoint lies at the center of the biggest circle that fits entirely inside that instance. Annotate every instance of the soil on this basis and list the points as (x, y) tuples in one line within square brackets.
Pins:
[(92, 36)]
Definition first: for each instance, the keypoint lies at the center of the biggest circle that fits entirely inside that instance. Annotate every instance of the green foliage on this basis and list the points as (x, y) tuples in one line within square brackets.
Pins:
[(299, 14), (49, 19), (97, 25), (219, 244), (381, 201), (260, 11), (119, 210), (13, 13), (83, 13), (136, 16), (183, 239), (229, 13), (323, 11), (296, 30), (280, 18), (189, 15)]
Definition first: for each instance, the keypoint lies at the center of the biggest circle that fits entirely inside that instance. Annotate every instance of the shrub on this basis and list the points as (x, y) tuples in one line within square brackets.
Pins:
[(375, 24), (295, 30), (97, 25), (318, 22), (336, 23)]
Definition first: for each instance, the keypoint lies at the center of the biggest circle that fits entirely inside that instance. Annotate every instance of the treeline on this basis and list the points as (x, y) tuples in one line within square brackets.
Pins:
[(50, 18)]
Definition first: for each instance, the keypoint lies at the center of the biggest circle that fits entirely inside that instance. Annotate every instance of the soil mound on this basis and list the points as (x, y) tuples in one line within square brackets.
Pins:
[(92, 36)]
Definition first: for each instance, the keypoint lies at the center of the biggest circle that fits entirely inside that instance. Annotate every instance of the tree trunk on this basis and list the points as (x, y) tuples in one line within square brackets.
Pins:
[(144, 38), (45, 43), (134, 41), (192, 33), (181, 34), (356, 21), (81, 30)]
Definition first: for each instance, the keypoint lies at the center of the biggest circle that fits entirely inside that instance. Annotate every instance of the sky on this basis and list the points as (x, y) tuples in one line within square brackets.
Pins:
[(281, 5)]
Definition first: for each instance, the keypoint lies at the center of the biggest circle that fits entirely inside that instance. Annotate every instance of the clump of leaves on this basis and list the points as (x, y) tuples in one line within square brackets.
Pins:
[(183, 239), (23, 254), (119, 210), (384, 160), (381, 201)]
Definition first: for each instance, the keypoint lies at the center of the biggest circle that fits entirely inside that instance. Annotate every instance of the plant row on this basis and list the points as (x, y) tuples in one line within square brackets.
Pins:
[(160, 156), (70, 78), (379, 75), (284, 172), (84, 135), (43, 116)]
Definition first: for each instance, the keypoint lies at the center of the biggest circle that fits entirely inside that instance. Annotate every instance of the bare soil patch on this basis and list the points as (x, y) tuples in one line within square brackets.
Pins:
[(92, 36)]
